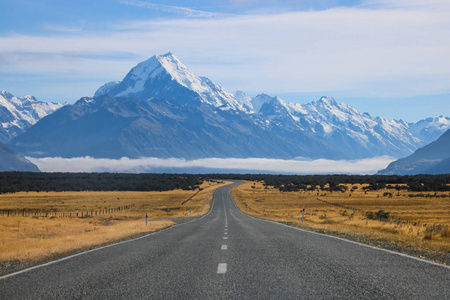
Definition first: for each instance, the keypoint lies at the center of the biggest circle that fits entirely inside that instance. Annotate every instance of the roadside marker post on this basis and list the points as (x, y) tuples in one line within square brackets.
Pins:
[(146, 219), (303, 214)]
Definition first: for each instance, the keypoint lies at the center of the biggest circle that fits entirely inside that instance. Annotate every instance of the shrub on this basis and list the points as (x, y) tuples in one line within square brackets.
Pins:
[(379, 215)]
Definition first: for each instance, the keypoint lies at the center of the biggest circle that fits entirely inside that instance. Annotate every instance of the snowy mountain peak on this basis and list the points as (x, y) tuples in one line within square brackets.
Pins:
[(244, 99), (19, 113), (164, 76), (106, 88), (6, 94), (260, 100), (329, 101)]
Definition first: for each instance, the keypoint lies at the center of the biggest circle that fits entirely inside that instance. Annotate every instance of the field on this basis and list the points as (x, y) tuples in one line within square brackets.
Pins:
[(408, 219), (36, 226)]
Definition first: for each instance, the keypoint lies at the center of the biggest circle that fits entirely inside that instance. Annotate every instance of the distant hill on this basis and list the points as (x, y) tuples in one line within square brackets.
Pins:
[(431, 159), (10, 160)]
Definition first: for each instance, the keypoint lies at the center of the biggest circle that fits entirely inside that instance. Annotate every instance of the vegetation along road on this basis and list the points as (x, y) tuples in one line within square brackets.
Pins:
[(229, 255)]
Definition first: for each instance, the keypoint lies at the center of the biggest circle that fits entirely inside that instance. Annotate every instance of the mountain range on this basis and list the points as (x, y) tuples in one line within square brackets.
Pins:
[(17, 114), (162, 109)]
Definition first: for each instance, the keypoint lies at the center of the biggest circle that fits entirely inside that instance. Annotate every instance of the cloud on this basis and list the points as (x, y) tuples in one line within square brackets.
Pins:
[(182, 11), (382, 52), (407, 4), (260, 165)]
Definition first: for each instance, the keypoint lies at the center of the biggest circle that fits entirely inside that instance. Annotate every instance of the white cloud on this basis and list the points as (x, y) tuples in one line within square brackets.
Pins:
[(381, 52), (183, 11), (407, 4), (147, 164)]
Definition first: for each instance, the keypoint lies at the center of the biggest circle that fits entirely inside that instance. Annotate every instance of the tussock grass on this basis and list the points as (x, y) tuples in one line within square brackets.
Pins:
[(418, 222), (32, 238)]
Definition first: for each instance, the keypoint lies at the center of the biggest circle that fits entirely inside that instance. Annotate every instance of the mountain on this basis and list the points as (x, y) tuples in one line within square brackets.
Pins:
[(165, 77), (17, 114), (162, 109), (10, 160), (115, 127), (431, 159), (358, 135), (430, 129)]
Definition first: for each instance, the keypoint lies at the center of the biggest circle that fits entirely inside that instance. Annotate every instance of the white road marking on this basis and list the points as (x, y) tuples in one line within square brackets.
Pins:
[(225, 210), (225, 232), (222, 268), (224, 247), (113, 244), (225, 238)]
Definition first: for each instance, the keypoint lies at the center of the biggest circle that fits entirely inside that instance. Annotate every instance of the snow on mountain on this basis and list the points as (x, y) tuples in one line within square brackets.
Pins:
[(357, 134), (150, 78), (104, 89), (244, 99), (17, 114), (430, 129), (164, 79)]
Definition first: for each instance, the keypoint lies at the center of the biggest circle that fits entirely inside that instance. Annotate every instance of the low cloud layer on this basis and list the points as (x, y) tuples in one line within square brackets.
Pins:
[(243, 165)]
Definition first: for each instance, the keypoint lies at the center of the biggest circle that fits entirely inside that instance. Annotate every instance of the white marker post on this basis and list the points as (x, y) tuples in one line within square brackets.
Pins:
[(146, 219), (303, 214)]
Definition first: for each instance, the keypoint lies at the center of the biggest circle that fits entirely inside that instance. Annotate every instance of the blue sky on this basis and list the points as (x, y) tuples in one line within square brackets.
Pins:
[(389, 58)]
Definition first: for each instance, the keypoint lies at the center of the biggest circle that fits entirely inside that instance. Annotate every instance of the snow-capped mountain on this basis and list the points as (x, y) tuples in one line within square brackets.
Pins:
[(144, 81), (430, 129), (359, 135), (162, 109), (17, 114)]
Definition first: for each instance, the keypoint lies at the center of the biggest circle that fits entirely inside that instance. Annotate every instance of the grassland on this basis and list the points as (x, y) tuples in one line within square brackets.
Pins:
[(414, 222), (43, 225)]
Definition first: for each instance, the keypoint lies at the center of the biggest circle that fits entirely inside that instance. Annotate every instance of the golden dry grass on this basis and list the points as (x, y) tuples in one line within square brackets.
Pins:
[(416, 222), (32, 238)]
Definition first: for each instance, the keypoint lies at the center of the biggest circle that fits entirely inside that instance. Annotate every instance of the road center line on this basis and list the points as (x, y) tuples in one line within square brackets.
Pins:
[(224, 247), (222, 268), (225, 210)]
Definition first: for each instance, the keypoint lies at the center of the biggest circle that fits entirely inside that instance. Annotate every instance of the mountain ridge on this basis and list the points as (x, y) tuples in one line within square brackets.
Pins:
[(433, 158), (200, 119), (17, 114)]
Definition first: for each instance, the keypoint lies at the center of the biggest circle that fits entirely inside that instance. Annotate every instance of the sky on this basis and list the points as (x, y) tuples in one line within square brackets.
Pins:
[(388, 58)]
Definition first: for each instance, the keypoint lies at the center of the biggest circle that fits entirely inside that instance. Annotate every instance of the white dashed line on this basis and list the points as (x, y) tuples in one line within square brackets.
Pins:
[(225, 238), (222, 268), (224, 247)]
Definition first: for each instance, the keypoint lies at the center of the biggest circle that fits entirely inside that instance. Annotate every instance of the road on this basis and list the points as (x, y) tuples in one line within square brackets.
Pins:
[(229, 255)]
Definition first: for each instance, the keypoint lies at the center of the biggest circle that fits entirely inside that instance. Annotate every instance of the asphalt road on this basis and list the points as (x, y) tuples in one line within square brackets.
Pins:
[(229, 255)]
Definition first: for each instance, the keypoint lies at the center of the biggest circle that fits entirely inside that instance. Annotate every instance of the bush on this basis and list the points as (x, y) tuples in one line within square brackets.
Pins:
[(379, 215)]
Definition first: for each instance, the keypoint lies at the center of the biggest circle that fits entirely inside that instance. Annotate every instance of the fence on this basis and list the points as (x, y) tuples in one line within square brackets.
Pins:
[(46, 214)]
